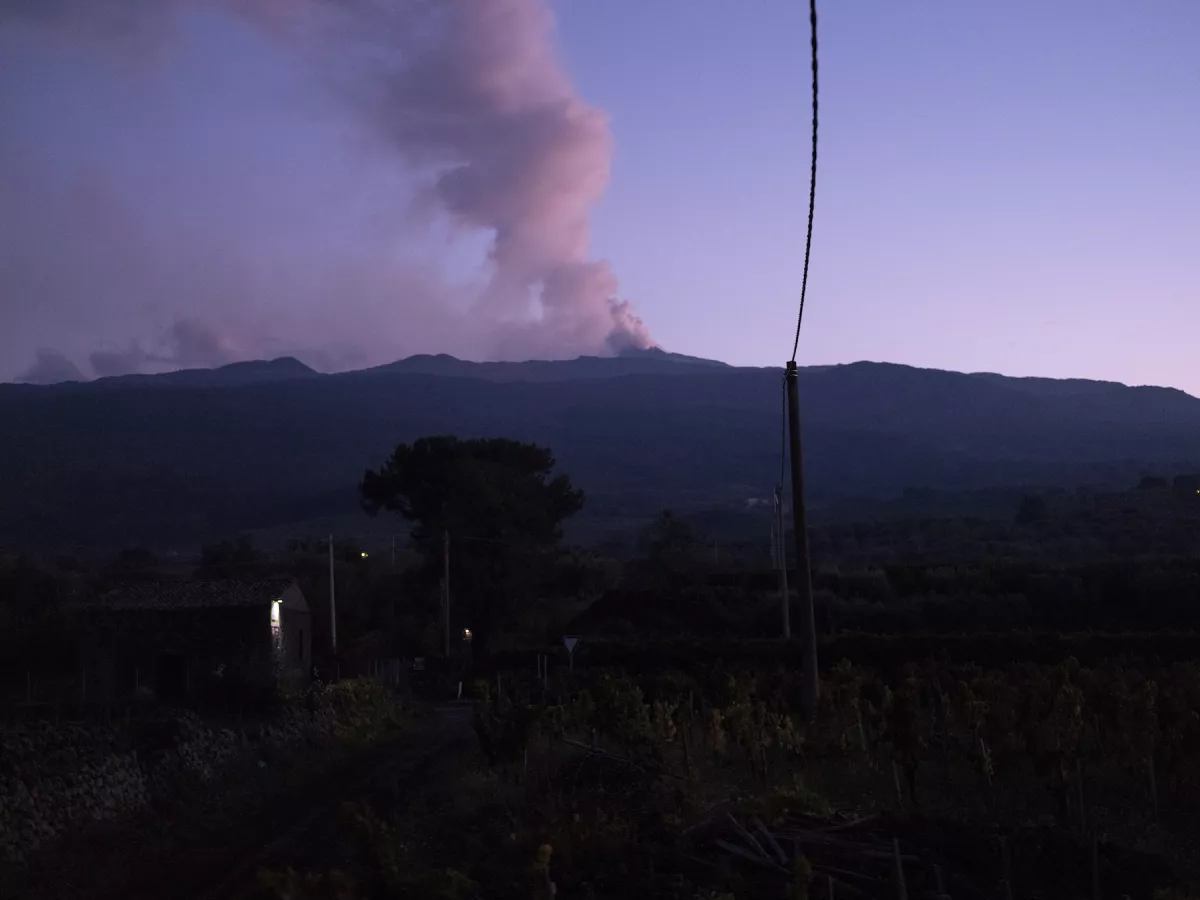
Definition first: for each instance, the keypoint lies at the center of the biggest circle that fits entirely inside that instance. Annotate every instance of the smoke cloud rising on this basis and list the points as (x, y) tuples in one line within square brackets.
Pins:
[(452, 125), (51, 367)]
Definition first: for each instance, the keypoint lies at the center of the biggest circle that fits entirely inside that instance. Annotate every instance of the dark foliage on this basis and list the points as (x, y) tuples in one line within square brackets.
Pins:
[(493, 489), (496, 497)]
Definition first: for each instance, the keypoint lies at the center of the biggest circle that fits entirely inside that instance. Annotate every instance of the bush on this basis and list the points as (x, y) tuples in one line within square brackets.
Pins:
[(58, 777)]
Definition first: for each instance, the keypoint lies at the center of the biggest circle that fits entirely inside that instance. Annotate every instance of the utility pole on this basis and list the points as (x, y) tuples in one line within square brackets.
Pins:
[(332, 602), (781, 556), (808, 626), (446, 593)]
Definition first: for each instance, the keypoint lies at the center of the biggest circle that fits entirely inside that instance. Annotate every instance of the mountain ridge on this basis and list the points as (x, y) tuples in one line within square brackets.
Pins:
[(628, 362), (202, 455)]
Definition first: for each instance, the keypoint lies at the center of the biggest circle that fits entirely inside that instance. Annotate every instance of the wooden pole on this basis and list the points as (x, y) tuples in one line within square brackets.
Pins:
[(784, 606), (1082, 808), (446, 593), (810, 689), (1153, 782), (332, 602), (1006, 861), (896, 782), (901, 887)]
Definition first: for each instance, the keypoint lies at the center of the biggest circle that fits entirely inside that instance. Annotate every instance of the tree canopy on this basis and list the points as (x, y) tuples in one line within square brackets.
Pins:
[(671, 546), (489, 488), (500, 504)]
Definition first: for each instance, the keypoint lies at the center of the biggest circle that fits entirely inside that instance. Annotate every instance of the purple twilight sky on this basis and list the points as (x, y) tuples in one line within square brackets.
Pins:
[(1010, 187)]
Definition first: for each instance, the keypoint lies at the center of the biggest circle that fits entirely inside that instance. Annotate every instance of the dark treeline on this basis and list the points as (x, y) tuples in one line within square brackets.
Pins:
[(1119, 562)]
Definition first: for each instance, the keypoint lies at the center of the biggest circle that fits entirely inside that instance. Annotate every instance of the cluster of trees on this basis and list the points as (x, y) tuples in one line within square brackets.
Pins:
[(492, 513)]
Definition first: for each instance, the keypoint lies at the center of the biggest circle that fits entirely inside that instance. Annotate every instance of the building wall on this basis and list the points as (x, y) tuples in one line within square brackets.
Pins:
[(296, 652), (216, 648)]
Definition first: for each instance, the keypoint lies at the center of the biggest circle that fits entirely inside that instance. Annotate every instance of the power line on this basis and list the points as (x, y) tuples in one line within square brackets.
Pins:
[(812, 196), (812, 184), (810, 684)]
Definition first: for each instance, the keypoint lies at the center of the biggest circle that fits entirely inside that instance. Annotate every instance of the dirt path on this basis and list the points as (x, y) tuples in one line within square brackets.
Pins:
[(214, 850)]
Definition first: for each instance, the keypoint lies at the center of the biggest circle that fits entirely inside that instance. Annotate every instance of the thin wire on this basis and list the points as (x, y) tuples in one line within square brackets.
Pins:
[(812, 184)]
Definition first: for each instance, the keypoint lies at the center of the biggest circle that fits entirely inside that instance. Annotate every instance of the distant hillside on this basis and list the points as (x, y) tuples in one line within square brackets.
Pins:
[(181, 457), (631, 362), (233, 375)]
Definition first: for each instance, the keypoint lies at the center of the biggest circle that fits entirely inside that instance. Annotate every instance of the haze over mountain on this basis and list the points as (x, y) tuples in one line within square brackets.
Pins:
[(194, 454)]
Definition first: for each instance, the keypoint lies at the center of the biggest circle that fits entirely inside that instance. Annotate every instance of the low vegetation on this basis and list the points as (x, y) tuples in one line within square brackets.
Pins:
[(678, 784), (55, 778)]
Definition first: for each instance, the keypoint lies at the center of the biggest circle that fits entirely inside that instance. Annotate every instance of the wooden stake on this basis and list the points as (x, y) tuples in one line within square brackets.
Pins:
[(771, 843), (901, 887), (1007, 863), (1082, 810), (896, 782), (1153, 783)]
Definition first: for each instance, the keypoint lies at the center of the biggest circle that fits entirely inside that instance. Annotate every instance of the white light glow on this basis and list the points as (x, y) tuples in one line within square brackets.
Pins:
[(275, 614)]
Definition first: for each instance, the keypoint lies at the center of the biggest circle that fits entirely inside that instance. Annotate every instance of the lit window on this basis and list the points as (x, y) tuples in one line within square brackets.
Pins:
[(276, 626)]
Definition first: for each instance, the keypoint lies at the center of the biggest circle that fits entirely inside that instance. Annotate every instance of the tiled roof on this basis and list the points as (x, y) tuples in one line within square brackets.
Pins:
[(221, 594)]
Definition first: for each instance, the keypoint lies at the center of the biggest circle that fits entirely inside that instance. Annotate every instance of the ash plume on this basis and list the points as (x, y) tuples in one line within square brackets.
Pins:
[(469, 101), (50, 367), (189, 344)]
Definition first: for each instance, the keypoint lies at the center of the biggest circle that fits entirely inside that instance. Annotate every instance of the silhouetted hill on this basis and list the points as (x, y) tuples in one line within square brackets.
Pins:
[(233, 375), (273, 443), (629, 362)]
